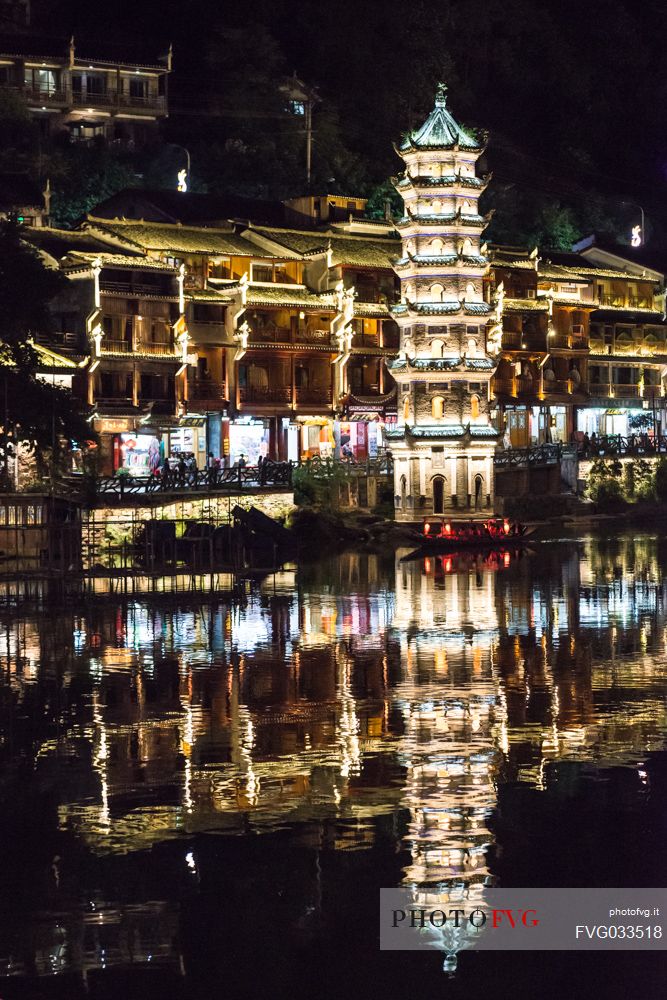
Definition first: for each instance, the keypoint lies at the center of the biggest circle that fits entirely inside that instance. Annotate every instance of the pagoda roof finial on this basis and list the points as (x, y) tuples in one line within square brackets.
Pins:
[(441, 130)]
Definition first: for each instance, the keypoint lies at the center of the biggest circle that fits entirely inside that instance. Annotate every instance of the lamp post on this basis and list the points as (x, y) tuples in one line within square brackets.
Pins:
[(637, 235), (183, 175)]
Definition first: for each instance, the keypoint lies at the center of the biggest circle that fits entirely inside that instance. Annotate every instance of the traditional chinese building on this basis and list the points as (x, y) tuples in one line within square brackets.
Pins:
[(88, 90), (444, 442)]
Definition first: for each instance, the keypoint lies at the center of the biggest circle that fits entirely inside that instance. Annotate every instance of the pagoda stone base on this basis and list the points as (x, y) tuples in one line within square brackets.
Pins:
[(432, 480)]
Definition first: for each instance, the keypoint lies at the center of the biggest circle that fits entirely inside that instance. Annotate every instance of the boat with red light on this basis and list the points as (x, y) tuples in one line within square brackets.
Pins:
[(447, 535)]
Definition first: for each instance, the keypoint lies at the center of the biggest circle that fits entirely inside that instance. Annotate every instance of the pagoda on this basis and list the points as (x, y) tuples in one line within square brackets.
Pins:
[(443, 442)]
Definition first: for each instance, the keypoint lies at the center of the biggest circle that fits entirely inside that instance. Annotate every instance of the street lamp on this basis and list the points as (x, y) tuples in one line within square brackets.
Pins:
[(184, 174), (637, 234)]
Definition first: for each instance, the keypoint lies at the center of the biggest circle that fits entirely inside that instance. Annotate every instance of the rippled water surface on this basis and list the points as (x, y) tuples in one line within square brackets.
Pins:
[(202, 799)]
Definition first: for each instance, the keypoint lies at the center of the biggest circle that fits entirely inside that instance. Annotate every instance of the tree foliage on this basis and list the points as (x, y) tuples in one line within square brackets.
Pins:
[(33, 412)]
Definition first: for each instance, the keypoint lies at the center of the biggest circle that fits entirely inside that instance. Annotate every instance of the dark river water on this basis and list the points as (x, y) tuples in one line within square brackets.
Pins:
[(203, 799)]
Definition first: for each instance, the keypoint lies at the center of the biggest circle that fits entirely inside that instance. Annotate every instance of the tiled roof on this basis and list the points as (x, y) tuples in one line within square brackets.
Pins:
[(480, 364), (176, 239), (122, 260), (450, 180), (352, 250), (290, 295), (435, 260), (440, 130), (369, 310), (482, 431), (59, 242), (455, 218), (525, 305)]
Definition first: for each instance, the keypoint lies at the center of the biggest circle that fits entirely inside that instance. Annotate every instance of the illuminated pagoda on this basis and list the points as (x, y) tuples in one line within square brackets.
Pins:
[(443, 443)]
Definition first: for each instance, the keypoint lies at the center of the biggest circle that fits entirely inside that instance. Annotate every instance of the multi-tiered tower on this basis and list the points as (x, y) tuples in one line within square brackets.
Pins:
[(443, 443)]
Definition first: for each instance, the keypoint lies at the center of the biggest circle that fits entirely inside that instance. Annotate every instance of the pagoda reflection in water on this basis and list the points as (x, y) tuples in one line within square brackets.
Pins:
[(352, 691)]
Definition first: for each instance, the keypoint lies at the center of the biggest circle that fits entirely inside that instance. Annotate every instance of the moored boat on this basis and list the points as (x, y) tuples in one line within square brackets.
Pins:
[(448, 535)]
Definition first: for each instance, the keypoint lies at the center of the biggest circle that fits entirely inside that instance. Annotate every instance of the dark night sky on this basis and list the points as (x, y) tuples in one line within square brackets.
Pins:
[(573, 93)]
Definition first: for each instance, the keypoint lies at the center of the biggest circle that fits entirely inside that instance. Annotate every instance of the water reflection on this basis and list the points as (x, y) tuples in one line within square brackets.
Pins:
[(357, 689)]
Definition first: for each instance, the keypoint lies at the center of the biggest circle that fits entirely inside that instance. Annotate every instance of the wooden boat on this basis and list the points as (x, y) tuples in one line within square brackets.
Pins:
[(446, 535)]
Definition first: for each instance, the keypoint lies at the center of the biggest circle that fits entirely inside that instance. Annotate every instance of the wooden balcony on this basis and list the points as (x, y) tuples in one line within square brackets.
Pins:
[(265, 395), (207, 393), (511, 340), (44, 98), (269, 396), (138, 289), (108, 346), (284, 335), (119, 100), (617, 390), (311, 397)]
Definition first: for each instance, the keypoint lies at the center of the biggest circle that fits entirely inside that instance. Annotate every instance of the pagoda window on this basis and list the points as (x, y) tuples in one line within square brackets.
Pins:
[(436, 207), (406, 408), (474, 407), (437, 347), (437, 407), (466, 209), (472, 346), (467, 247), (436, 247), (437, 292), (470, 291)]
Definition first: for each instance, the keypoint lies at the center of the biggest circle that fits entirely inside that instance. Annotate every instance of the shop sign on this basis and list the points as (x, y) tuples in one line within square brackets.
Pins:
[(113, 426)]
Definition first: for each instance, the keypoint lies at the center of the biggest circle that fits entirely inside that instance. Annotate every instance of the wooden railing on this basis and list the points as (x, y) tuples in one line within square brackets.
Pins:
[(267, 475), (619, 444), (206, 389), (265, 395), (543, 454), (313, 396)]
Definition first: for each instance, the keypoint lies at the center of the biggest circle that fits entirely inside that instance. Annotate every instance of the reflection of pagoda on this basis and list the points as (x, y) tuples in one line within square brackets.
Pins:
[(452, 718), (443, 444)]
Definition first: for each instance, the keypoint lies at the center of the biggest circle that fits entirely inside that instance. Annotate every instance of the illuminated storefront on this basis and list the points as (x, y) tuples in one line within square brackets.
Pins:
[(317, 437), (248, 437), (139, 453)]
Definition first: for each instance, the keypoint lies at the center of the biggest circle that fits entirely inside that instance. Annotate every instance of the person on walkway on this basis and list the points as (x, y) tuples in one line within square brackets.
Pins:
[(182, 469), (212, 469)]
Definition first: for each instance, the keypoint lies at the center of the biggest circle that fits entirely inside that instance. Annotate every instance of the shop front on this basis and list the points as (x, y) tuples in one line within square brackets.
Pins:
[(188, 440), (358, 438), (606, 421), (140, 453), (317, 437), (249, 437)]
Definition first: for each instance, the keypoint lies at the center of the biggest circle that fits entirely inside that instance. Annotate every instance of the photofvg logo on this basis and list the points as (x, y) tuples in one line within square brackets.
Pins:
[(453, 919)]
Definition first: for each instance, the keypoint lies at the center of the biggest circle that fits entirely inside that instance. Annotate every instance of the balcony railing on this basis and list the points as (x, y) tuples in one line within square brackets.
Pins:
[(284, 335), (511, 340), (109, 346), (118, 99), (310, 396), (264, 395), (114, 402), (165, 350), (136, 289), (45, 97), (206, 390), (312, 336), (623, 391)]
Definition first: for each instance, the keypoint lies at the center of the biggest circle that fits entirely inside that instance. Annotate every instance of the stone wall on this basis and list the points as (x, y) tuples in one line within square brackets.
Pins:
[(104, 526), (586, 463)]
